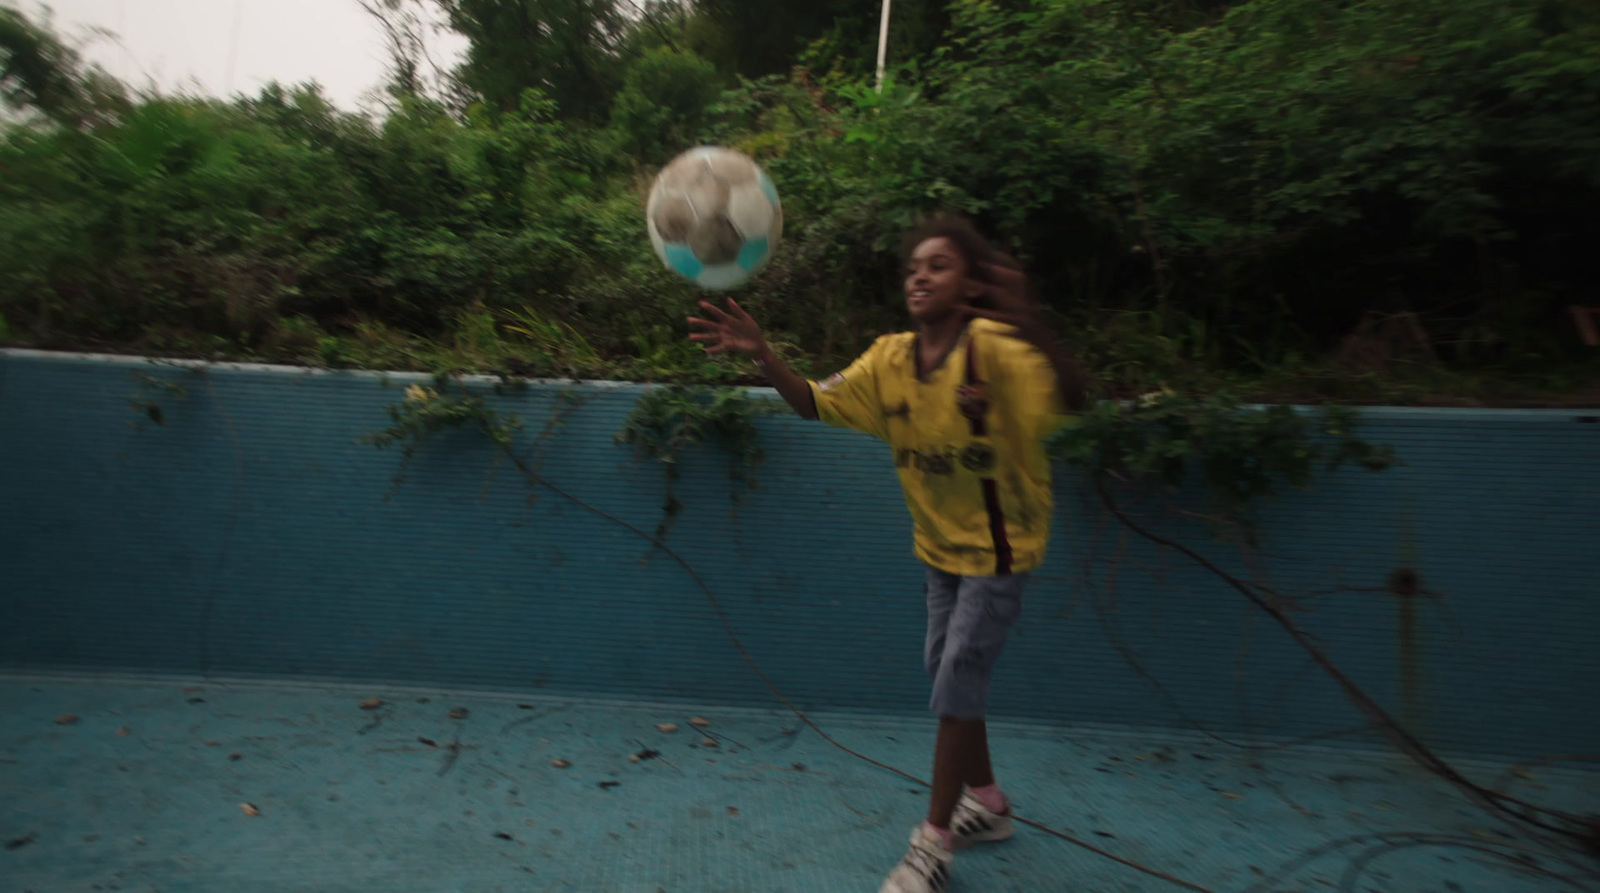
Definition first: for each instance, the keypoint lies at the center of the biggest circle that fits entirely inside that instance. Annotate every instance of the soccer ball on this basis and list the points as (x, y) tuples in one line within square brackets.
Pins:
[(714, 217)]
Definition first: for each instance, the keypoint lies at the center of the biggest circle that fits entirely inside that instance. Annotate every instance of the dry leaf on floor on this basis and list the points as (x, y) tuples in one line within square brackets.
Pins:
[(700, 721), (249, 809), (372, 703), (213, 744), (124, 732), (1231, 796), (633, 758), (67, 719), (236, 757), (733, 810), (708, 742), (458, 713), (667, 728), (560, 764), (428, 741)]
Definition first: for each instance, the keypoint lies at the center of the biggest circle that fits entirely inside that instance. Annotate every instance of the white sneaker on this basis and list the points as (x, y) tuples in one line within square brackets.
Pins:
[(973, 822), (925, 868)]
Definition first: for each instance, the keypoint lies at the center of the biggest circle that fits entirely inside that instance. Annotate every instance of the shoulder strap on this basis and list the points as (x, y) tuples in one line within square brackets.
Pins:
[(972, 359), (979, 426), (991, 492)]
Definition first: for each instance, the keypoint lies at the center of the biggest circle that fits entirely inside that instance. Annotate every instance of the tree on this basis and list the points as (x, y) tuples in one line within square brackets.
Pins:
[(39, 71), (567, 49), (662, 103), (413, 72), (760, 37)]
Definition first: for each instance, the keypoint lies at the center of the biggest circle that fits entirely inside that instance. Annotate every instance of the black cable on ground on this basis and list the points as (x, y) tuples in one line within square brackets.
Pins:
[(1109, 627), (1379, 843), (1511, 771), (716, 606), (1584, 831), (1581, 832)]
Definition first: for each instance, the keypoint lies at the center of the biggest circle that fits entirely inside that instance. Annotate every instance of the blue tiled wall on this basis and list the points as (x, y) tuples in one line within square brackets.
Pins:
[(251, 535)]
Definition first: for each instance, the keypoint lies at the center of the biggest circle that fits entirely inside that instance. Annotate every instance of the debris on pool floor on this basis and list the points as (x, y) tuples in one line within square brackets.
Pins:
[(255, 786)]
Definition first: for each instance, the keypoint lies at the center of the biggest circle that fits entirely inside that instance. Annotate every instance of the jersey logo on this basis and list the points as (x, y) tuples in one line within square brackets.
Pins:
[(928, 463), (977, 457), (974, 457)]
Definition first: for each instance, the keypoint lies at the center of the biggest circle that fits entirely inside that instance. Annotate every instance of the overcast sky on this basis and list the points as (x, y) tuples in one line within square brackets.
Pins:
[(225, 47)]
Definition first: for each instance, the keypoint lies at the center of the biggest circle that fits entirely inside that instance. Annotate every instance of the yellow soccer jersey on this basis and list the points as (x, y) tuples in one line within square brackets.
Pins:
[(978, 487)]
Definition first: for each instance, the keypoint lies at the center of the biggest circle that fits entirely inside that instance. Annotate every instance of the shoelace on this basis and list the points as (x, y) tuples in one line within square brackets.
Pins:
[(923, 861), (968, 821), (966, 815)]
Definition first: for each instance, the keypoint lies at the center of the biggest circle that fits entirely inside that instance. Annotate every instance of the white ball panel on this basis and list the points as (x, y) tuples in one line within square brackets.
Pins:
[(750, 211), (722, 276)]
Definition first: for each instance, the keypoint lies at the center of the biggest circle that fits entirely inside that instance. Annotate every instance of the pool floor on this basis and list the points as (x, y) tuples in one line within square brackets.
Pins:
[(435, 791)]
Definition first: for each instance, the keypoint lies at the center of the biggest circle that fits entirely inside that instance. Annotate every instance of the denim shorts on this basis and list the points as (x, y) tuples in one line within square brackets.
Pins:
[(968, 620)]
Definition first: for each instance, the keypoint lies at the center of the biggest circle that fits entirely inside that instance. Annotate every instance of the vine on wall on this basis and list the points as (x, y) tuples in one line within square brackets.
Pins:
[(445, 404), (668, 420), (146, 401), (664, 422), (1241, 453)]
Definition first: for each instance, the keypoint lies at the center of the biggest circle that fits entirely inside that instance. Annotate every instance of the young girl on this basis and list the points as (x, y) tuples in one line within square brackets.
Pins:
[(965, 402)]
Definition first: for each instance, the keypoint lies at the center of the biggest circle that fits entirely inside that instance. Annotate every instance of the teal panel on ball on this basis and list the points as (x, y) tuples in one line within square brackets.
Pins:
[(768, 188), (681, 259), (753, 254)]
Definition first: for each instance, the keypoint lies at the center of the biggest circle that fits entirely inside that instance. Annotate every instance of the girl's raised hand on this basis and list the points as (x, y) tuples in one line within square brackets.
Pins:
[(730, 329)]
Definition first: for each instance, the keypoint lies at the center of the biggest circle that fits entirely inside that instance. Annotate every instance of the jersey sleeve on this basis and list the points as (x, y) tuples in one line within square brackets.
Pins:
[(852, 399), (1029, 390)]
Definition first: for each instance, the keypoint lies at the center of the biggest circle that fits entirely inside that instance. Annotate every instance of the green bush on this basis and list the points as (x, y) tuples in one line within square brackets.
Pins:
[(1366, 200)]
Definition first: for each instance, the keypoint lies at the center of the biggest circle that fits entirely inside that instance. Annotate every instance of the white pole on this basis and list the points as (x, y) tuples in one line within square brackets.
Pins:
[(883, 42)]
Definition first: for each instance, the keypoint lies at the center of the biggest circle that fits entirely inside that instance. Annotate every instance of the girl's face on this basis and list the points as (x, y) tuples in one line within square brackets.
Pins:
[(936, 282)]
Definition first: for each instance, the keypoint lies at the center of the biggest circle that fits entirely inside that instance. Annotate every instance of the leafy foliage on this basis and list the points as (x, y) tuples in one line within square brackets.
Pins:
[(1240, 453), (562, 47), (757, 38), (426, 411), (39, 70), (663, 103), (663, 424), (1288, 199), (666, 421)]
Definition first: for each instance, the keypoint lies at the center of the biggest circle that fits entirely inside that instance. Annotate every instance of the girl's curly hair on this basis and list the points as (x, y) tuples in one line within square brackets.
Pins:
[(974, 249)]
